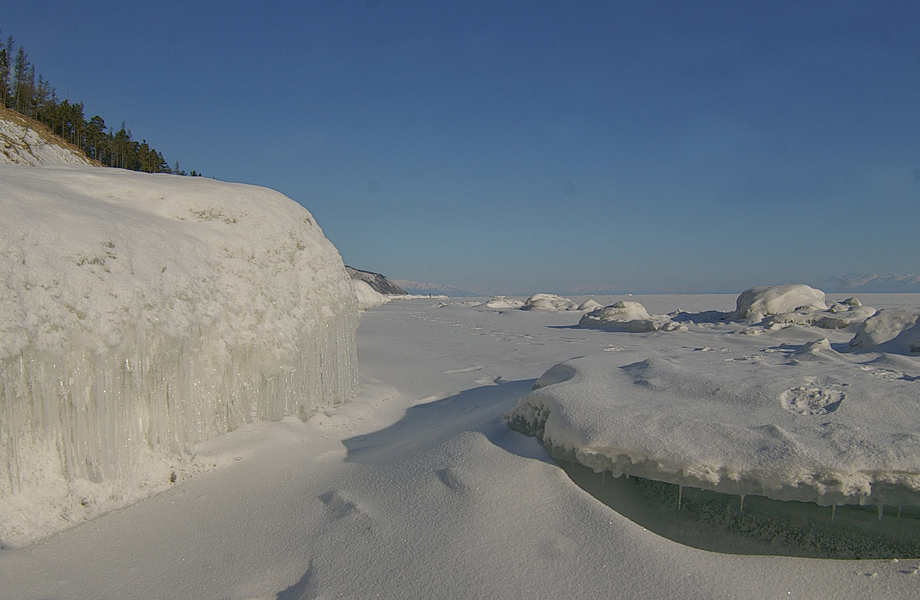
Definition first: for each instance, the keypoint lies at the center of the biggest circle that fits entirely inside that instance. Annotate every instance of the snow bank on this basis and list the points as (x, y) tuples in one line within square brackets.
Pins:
[(142, 314), (806, 424), (627, 316), (368, 297), (893, 330)]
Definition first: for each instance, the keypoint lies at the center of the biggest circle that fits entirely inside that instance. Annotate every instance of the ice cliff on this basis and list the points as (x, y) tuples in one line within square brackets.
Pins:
[(142, 314)]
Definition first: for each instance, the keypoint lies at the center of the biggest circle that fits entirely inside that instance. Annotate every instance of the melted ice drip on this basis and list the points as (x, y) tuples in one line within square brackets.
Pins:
[(103, 416)]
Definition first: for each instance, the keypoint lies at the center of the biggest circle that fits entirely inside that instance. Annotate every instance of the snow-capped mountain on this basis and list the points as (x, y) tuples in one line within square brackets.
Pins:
[(436, 289), (870, 282)]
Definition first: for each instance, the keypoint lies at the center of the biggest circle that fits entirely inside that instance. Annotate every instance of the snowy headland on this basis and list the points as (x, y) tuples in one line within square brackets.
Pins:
[(187, 346)]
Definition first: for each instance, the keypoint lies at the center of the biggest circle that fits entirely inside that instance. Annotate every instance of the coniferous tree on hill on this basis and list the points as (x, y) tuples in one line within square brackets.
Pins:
[(36, 99)]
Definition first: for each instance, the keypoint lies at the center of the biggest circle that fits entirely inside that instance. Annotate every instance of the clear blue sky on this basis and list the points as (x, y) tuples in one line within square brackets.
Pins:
[(531, 146)]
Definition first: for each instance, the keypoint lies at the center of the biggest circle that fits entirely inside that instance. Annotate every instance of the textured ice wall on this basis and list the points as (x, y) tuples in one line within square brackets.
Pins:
[(141, 314)]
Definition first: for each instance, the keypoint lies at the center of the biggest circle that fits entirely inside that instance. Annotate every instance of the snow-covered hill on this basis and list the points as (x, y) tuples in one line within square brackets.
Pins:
[(379, 283), (22, 142)]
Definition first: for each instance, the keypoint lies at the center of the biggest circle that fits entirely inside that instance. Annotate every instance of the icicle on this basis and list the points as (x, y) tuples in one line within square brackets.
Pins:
[(680, 495), (742, 503), (833, 512), (899, 511), (881, 511)]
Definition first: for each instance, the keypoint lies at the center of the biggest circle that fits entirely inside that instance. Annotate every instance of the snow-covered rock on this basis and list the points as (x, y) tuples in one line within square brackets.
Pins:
[(549, 302), (758, 302), (893, 330), (504, 303), (628, 316), (141, 314), (589, 305)]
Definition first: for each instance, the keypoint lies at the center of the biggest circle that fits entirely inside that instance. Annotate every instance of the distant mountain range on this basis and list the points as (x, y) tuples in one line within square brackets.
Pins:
[(870, 282), (435, 289)]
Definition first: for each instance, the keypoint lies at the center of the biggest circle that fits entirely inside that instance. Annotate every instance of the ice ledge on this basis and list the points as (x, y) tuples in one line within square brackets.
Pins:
[(811, 426)]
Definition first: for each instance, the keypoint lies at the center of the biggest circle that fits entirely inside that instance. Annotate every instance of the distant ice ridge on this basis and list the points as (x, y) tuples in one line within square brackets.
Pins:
[(798, 421), (142, 314)]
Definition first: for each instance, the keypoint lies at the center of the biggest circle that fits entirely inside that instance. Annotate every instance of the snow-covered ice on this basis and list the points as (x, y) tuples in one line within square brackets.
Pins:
[(120, 287), (418, 489), (143, 314), (796, 419), (549, 302)]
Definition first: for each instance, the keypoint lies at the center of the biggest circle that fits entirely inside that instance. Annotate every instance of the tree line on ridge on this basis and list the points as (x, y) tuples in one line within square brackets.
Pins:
[(35, 98)]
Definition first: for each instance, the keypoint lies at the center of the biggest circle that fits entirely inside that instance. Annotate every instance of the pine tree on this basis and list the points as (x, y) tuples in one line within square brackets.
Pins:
[(21, 80), (5, 72)]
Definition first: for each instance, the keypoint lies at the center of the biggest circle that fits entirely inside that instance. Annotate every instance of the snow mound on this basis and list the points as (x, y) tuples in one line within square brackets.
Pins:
[(368, 297), (549, 302), (814, 425), (758, 302), (21, 144), (589, 305), (504, 303), (628, 316), (142, 314), (893, 330)]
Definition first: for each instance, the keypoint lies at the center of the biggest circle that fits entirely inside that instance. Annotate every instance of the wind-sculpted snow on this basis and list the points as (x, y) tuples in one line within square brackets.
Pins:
[(142, 314), (790, 423)]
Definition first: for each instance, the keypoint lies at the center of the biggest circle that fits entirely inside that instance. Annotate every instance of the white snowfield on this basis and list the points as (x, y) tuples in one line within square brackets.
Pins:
[(20, 144), (143, 314)]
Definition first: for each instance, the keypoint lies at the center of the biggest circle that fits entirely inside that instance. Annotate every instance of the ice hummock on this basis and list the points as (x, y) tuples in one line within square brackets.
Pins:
[(142, 314), (804, 421)]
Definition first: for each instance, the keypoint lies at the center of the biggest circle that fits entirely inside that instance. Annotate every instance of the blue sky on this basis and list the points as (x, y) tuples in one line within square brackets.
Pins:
[(531, 146)]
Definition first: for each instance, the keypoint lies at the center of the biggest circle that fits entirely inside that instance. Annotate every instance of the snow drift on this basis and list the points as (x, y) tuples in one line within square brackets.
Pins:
[(141, 314)]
